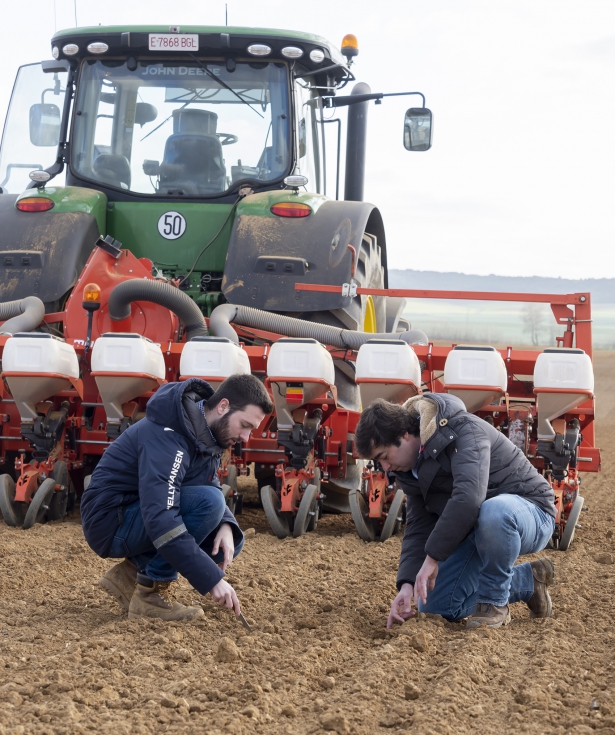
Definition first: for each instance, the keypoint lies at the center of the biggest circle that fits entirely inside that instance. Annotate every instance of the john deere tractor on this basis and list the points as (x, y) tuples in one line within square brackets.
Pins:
[(214, 152)]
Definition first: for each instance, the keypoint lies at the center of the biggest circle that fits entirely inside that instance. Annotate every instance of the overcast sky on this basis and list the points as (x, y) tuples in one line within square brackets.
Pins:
[(520, 177)]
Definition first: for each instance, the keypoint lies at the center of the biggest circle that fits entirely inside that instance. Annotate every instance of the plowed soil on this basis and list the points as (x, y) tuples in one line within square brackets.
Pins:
[(319, 658)]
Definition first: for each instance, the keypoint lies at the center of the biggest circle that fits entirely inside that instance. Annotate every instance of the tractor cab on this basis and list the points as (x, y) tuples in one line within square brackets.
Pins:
[(180, 113), (171, 114)]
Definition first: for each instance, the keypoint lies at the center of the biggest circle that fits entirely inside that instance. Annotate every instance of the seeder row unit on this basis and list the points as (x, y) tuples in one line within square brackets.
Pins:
[(73, 384)]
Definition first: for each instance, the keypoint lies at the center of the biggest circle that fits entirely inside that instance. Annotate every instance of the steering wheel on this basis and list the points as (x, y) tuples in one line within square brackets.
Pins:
[(227, 138)]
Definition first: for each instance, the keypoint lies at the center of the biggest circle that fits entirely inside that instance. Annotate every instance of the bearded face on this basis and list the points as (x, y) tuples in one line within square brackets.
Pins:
[(221, 429)]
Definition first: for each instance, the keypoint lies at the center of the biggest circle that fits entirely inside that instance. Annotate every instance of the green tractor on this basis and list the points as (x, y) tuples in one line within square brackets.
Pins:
[(214, 152)]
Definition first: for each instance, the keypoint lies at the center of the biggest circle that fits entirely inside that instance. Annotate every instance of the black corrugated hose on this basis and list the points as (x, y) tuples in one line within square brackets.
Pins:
[(158, 292)]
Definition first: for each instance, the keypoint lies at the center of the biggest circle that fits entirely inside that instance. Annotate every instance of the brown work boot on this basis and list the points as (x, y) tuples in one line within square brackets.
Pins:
[(489, 615), (152, 600), (540, 602), (120, 582)]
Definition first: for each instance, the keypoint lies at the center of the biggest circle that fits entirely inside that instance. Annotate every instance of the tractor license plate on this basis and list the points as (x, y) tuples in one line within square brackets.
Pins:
[(173, 41)]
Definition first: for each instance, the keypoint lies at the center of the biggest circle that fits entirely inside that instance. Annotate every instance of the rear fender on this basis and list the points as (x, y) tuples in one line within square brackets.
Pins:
[(268, 254), (43, 253)]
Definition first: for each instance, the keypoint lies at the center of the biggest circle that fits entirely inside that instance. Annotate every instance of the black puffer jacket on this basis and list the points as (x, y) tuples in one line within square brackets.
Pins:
[(464, 462)]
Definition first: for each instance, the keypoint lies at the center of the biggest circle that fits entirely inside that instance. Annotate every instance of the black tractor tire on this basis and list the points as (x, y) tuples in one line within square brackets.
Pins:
[(369, 274)]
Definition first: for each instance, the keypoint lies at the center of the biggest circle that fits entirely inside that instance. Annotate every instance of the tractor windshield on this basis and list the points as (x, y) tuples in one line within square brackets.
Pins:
[(178, 128)]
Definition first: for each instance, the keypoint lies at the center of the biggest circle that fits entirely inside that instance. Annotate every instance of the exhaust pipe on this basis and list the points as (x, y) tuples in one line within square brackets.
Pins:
[(225, 314), (23, 315)]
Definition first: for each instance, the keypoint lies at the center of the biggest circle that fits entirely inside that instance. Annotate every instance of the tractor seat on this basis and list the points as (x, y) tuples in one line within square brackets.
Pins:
[(193, 163), (112, 169)]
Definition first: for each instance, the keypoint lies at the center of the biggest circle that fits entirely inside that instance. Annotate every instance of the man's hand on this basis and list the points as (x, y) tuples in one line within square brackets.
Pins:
[(400, 609), (425, 579), (226, 596), (224, 541)]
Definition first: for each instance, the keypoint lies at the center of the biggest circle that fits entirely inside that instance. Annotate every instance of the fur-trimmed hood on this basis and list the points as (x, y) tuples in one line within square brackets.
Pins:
[(431, 408)]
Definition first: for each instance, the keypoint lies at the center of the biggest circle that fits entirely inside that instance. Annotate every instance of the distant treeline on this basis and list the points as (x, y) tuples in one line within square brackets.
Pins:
[(602, 290)]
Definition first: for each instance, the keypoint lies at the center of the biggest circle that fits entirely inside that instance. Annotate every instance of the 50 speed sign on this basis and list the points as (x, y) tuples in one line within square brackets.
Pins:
[(172, 225)]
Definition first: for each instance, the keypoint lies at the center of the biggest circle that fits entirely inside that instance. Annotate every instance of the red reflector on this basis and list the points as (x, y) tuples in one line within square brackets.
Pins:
[(291, 209), (294, 398), (34, 204)]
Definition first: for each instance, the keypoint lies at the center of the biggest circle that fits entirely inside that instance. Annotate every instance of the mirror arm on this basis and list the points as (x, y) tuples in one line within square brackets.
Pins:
[(61, 158), (404, 94), (353, 99)]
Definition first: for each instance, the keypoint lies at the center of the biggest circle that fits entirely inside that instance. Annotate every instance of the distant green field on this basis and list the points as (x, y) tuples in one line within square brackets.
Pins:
[(501, 322)]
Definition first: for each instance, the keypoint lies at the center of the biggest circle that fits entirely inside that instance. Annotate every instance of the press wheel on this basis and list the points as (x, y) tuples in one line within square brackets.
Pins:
[(40, 503), (308, 509), (313, 521), (358, 509), (271, 506), (11, 511), (392, 522), (570, 527), (59, 501)]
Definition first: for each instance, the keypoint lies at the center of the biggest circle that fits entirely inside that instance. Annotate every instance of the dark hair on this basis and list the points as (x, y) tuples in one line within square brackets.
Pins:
[(383, 424), (241, 391)]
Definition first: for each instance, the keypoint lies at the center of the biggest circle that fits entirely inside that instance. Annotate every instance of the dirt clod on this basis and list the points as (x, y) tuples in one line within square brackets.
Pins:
[(251, 712), (604, 558), (577, 629), (420, 641), (337, 723), (411, 691), (182, 654), (227, 651), (327, 682)]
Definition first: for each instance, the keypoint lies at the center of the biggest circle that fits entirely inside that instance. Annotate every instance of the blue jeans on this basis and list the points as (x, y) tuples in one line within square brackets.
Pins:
[(201, 508), (482, 568)]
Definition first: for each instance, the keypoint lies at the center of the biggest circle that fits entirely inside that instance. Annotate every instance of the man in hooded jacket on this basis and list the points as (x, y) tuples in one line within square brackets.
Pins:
[(155, 499), (474, 504)]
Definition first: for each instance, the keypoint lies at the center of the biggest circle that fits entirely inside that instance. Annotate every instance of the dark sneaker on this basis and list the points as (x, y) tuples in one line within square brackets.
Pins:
[(153, 600), (489, 615), (540, 602), (120, 582)]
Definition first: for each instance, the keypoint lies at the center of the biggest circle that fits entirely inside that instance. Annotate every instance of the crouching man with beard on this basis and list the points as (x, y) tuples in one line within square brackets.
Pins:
[(155, 499)]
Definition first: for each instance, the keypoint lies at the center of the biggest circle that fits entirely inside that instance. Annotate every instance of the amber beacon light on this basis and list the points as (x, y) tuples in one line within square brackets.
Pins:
[(350, 47), (91, 297)]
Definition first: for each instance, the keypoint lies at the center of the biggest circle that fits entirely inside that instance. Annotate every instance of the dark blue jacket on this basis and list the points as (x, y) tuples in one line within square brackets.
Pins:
[(149, 462)]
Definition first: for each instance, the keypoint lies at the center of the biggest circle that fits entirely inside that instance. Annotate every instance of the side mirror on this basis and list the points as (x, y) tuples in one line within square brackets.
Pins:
[(145, 113), (418, 129), (44, 125)]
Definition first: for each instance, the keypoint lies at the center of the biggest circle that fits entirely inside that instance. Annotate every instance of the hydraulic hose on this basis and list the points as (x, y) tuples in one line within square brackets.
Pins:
[(23, 315), (158, 292), (222, 317)]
